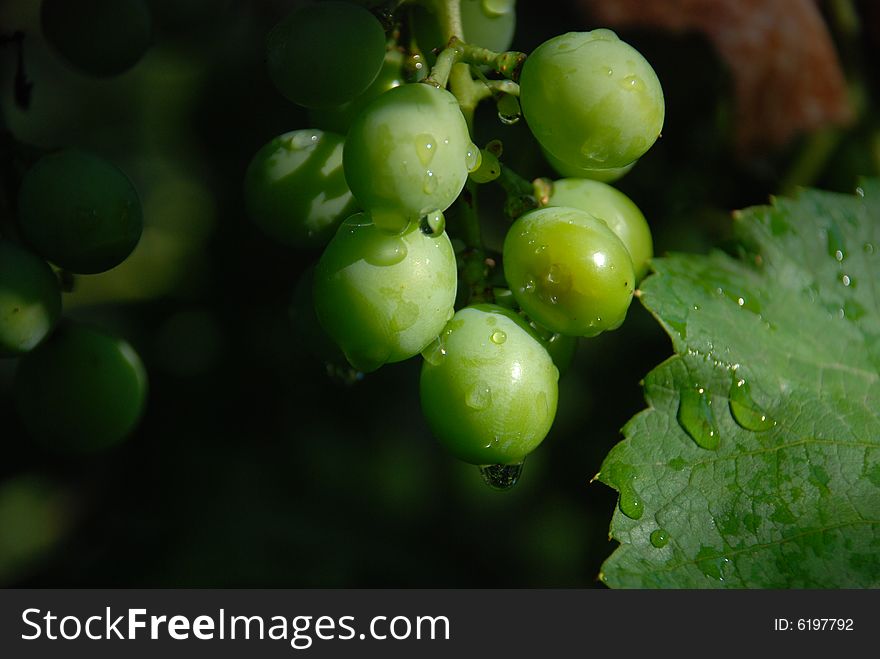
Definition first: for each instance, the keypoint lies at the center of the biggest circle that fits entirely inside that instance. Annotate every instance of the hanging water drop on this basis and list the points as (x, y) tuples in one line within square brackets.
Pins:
[(435, 352), (501, 477), (432, 224), (508, 110), (696, 418), (659, 538)]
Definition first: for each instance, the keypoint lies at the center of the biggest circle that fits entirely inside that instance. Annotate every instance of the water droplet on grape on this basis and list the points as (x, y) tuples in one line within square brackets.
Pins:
[(860, 192), (429, 184), (869, 248), (696, 418), (433, 224), (846, 280), (426, 147), (472, 157), (386, 252), (659, 538), (744, 409), (302, 139), (632, 83), (435, 352), (501, 477), (479, 396), (498, 337), (405, 315)]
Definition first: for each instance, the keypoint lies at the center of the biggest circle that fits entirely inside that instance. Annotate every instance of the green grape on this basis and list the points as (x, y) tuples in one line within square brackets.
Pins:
[(591, 100), (568, 271), (98, 37), (603, 175), (79, 211), (295, 189), (384, 297), (408, 154), (488, 387), (325, 54), (338, 119), (486, 23), (30, 299), (81, 390), (615, 209)]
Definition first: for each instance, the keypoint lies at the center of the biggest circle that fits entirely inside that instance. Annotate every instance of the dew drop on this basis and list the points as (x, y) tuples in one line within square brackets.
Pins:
[(712, 563), (501, 477), (869, 248), (696, 418), (429, 184), (472, 157), (479, 396), (632, 83), (836, 247), (623, 478), (426, 147), (847, 281), (433, 224), (508, 110), (860, 192), (659, 538), (744, 409), (302, 139), (386, 252), (498, 337), (435, 352)]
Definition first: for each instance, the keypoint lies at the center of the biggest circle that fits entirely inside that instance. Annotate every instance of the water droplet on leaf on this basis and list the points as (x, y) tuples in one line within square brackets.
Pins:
[(696, 418), (744, 409)]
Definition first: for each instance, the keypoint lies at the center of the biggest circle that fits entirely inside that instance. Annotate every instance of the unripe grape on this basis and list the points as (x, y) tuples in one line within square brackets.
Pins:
[(568, 271), (81, 390), (384, 297), (79, 211), (98, 37), (614, 208), (488, 387), (591, 100), (30, 299), (408, 154), (295, 188), (570, 171), (325, 54)]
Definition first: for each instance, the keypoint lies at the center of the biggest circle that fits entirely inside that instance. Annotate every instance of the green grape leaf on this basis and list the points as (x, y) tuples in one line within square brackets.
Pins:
[(757, 462)]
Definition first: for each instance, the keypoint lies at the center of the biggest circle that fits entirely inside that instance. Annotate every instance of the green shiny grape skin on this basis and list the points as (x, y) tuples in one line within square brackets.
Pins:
[(295, 188), (30, 300), (79, 212), (338, 119), (486, 24), (408, 154), (98, 37), (615, 209), (591, 100), (82, 390), (325, 54), (569, 272), (383, 297), (488, 387), (603, 175)]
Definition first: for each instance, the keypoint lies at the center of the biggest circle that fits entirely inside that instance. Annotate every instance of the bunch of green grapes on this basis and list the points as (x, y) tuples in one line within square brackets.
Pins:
[(391, 149), (77, 388)]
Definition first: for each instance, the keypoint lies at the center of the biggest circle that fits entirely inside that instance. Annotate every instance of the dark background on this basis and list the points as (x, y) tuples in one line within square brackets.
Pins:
[(252, 466)]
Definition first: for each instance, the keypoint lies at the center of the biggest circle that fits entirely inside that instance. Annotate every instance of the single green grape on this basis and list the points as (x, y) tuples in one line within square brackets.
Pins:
[(384, 297), (81, 390), (338, 119), (295, 189), (615, 209), (603, 175), (408, 154), (488, 387), (98, 37), (487, 24), (30, 299), (325, 54), (568, 271), (591, 100), (79, 211)]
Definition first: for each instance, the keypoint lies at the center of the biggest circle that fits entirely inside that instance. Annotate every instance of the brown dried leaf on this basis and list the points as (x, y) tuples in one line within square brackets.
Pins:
[(787, 75)]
